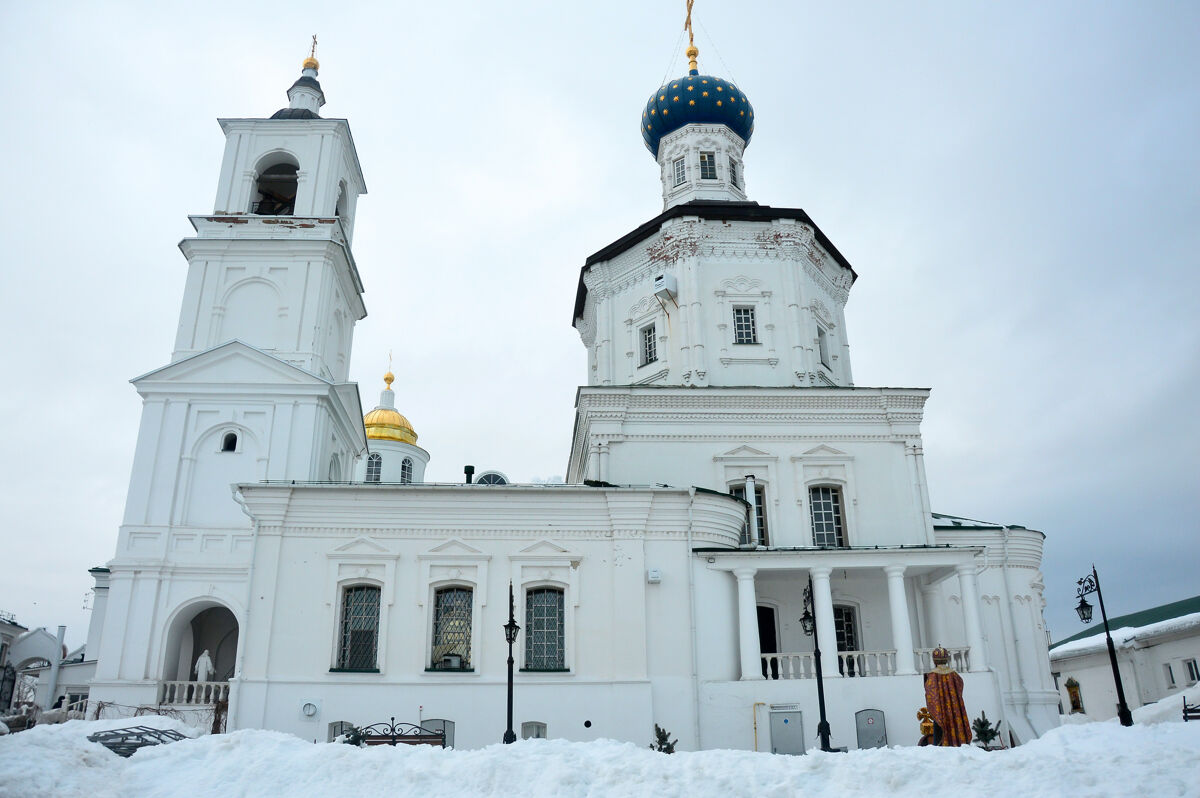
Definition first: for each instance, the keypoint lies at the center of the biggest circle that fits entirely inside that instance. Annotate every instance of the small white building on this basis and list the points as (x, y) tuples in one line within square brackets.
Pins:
[(723, 461), (1157, 654)]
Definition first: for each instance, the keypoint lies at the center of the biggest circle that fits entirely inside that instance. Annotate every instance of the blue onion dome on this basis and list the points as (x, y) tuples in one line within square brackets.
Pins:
[(705, 99)]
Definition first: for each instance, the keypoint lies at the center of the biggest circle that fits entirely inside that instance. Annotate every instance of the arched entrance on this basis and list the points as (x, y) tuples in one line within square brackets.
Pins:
[(205, 635)]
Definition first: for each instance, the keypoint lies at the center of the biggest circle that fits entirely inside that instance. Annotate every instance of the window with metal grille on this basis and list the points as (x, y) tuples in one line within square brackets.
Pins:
[(1193, 672), (823, 346), (360, 628), (744, 331), (680, 171), (406, 470), (545, 630), (649, 345), (735, 174), (374, 467), (708, 166), (451, 629), (760, 502), (825, 509), (844, 628)]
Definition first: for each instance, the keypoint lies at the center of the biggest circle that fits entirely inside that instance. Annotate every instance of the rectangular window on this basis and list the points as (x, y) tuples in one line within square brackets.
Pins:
[(1170, 675), (823, 346), (1193, 672), (760, 504), (735, 175), (649, 345), (680, 171), (825, 509), (374, 467), (744, 331), (708, 166), (359, 637), (451, 629), (545, 630)]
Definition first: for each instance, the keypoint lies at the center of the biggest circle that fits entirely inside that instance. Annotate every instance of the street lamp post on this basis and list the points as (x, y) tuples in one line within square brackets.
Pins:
[(809, 622), (1091, 584), (510, 634)]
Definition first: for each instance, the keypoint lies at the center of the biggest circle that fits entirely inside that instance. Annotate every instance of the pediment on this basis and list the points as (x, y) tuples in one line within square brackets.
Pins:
[(544, 548), (231, 362), (824, 451), (454, 548), (360, 546), (745, 452)]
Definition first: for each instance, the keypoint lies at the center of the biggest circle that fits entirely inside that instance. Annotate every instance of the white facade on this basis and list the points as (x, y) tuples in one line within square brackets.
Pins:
[(328, 589), (1155, 660)]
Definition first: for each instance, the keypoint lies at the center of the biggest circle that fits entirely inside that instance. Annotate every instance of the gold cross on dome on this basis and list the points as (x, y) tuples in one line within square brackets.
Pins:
[(313, 53), (687, 23)]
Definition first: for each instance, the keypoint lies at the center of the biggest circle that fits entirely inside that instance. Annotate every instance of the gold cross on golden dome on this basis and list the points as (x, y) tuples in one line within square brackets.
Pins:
[(311, 62), (313, 52)]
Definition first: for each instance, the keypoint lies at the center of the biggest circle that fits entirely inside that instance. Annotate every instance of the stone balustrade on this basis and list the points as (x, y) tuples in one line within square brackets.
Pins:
[(192, 693), (801, 665), (959, 659)]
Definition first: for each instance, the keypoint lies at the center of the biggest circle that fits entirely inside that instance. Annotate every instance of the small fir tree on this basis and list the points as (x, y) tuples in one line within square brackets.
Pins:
[(984, 732), (662, 740)]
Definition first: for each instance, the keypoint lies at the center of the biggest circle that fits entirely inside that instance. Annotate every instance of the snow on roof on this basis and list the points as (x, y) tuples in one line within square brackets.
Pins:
[(1124, 637), (943, 521)]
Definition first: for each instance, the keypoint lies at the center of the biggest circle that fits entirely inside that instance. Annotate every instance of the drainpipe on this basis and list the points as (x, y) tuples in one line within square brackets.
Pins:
[(754, 709), (54, 665), (752, 498), (691, 566)]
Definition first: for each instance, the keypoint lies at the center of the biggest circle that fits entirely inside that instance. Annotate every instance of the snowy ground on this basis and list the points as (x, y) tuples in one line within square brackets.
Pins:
[(1088, 759)]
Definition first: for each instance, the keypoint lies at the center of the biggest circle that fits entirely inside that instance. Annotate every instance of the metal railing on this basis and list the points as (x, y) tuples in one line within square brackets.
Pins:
[(192, 693)]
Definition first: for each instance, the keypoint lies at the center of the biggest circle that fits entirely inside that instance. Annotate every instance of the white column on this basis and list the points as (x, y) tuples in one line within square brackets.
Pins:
[(823, 609), (934, 625), (748, 648), (970, 604), (604, 461), (901, 627), (752, 498)]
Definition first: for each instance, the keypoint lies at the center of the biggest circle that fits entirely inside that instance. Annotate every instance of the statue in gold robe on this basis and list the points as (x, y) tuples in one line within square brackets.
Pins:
[(944, 698)]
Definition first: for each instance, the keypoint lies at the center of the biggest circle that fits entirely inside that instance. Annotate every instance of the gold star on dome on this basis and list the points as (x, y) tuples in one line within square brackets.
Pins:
[(718, 102), (662, 96), (675, 98), (690, 88), (674, 85), (703, 94), (665, 112), (691, 102), (720, 88), (653, 112)]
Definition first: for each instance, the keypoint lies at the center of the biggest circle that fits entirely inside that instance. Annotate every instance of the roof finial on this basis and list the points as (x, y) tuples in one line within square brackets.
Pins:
[(311, 62), (692, 52), (389, 377)]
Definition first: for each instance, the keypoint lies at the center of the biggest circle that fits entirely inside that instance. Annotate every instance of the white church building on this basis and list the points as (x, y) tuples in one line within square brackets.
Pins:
[(722, 458)]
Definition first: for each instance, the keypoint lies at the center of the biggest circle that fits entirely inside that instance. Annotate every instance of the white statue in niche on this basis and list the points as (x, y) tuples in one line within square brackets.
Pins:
[(204, 667)]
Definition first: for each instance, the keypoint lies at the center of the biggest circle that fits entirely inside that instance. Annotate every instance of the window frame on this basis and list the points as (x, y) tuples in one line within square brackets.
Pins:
[(760, 504), (823, 356), (341, 665), (526, 591), (1192, 669), (842, 535), (406, 471), (735, 173), (737, 329), (708, 158), (536, 726), (468, 667), (678, 171), (374, 464), (647, 344), (237, 442)]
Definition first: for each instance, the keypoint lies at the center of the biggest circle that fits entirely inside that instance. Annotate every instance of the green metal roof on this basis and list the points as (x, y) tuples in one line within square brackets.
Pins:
[(1165, 612)]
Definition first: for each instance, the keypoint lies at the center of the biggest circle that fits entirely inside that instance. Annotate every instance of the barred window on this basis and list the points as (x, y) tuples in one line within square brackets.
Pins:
[(708, 166), (760, 502), (744, 331), (825, 508), (680, 171), (735, 175), (451, 629), (545, 632), (374, 467), (649, 345), (359, 638), (406, 470), (823, 345)]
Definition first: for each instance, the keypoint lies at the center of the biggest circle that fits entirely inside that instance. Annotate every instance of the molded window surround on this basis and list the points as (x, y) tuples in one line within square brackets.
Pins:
[(358, 637), (679, 171), (708, 166), (649, 345)]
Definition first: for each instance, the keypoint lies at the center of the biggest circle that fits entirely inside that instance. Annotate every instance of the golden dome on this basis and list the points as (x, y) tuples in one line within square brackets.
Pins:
[(385, 424), (310, 63)]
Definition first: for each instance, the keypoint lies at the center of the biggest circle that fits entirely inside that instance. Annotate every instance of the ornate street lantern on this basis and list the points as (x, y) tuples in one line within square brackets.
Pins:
[(1085, 610)]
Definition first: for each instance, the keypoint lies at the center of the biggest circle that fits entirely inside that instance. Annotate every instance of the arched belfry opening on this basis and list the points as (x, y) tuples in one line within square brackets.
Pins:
[(275, 192)]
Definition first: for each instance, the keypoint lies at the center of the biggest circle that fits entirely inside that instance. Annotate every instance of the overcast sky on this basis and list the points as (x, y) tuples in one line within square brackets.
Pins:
[(1016, 185)]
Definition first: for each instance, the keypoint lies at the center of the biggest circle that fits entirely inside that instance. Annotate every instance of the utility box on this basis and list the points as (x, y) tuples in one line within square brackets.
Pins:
[(787, 729), (666, 287), (872, 733)]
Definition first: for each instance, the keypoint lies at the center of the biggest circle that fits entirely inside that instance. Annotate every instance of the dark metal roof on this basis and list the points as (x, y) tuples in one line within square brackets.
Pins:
[(720, 210), (307, 82), (1164, 612), (294, 113)]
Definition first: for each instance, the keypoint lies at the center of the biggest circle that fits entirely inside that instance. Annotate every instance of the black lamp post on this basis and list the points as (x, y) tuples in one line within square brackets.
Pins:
[(510, 634), (1091, 584), (809, 622)]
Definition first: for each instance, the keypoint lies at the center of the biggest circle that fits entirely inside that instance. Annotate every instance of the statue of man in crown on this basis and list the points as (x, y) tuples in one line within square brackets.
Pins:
[(944, 699)]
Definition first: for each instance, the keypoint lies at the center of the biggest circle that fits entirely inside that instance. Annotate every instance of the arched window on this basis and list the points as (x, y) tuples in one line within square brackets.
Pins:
[(335, 468), (374, 467), (229, 442), (406, 470), (276, 191), (491, 478), (545, 630), (825, 510), (451, 629), (358, 642)]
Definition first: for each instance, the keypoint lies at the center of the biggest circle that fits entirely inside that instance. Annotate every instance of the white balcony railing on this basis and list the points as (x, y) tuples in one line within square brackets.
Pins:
[(192, 693), (800, 665), (959, 659)]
